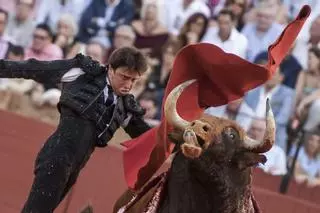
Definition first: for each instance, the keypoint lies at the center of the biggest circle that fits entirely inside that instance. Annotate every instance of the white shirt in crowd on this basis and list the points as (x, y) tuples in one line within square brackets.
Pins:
[(261, 108), (276, 161), (237, 43), (52, 10), (176, 16)]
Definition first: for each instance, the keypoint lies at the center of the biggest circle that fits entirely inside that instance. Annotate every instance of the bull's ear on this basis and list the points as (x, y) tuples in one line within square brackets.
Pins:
[(248, 159)]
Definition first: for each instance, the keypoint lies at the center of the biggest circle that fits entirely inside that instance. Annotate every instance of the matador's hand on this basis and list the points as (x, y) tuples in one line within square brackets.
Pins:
[(88, 65)]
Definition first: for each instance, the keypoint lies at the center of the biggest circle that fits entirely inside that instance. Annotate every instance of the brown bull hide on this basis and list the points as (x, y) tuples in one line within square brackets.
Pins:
[(211, 172)]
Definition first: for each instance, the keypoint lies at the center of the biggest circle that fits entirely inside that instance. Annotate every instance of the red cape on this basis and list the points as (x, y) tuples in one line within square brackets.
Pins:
[(221, 78)]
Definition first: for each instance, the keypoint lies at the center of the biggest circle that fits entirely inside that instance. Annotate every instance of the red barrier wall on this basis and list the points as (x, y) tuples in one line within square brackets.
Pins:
[(101, 182)]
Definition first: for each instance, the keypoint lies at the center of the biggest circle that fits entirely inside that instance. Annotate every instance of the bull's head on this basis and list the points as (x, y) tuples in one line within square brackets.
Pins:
[(211, 139)]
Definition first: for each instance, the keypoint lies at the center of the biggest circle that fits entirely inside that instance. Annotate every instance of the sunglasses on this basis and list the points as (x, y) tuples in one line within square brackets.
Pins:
[(40, 37)]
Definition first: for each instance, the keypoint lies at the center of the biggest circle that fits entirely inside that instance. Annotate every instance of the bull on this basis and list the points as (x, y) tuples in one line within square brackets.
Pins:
[(211, 171)]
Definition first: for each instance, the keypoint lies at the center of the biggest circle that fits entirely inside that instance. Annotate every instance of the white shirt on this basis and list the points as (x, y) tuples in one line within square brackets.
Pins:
[(237, 43), (261, 107), (52, 10), (276, 161), (176, 16)]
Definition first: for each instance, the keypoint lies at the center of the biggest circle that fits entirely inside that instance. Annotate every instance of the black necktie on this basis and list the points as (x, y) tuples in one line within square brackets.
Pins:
[(110, 98)]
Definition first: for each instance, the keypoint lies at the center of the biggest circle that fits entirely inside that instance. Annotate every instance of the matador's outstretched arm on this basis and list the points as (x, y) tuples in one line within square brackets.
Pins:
[(47, 71)]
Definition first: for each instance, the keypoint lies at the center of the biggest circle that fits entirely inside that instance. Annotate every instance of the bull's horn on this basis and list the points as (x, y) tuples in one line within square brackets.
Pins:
[(269, 135), (170, 107)]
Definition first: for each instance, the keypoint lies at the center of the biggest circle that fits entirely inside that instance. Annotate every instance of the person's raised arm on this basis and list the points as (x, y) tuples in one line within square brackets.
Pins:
[(46, 71)]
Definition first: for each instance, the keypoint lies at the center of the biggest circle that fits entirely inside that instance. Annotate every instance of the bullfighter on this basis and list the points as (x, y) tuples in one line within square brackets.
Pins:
[(95, 102)]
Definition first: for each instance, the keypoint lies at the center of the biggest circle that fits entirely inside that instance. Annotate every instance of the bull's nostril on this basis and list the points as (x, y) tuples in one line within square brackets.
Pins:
[(205, 128)]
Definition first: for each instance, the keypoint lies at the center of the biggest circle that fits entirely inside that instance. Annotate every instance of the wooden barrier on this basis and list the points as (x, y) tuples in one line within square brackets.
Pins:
[(101, 181)]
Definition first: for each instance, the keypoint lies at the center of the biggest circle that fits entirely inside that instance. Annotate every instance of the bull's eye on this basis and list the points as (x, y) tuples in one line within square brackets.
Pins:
[(231, 133)]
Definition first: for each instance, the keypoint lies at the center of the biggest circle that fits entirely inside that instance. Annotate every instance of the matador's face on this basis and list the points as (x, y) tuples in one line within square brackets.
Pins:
[(122, 80)]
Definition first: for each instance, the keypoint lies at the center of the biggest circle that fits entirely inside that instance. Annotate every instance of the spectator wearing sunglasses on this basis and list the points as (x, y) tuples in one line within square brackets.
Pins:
[(42, 47)]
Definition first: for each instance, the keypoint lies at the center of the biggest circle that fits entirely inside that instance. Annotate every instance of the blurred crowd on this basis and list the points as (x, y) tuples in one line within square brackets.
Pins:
[(60, 29)]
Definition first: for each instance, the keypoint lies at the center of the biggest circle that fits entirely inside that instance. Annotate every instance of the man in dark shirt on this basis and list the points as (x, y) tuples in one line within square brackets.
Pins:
[(94, 103)]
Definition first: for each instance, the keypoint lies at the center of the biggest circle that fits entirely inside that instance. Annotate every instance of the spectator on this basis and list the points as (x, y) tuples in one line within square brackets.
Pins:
[(179, 11), (4, 41), (42, 47), (49, 12), (160, 76), (305, 42), (290, 67), (102, 17), (96, 51), (296, 5), (20, 25), (193, 30), (150, 34), (307, 168), (238, 8), (237, 110), (262, 32), (276, 159), (226, 36), (67, 29), (281, 100), (281, 11), (124, 36), (307, 106), (148, 102)]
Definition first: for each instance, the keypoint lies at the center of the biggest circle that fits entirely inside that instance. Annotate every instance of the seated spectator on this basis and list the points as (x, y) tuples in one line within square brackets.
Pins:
[(226, 36), (42, 47), (281, 101), (102, 17), (307, 105), (150, 34), (236, 110), (238, 8), (49, 12), (4, 41), (276, 158), (281, 11), (141, 85), (124, 36), (178, 12), (20, 24), (96, 51), (262, 32), (148, 102), (193, 30), (161, 73), (308, 37), (290, 67), (65, 38), (307, 167)]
